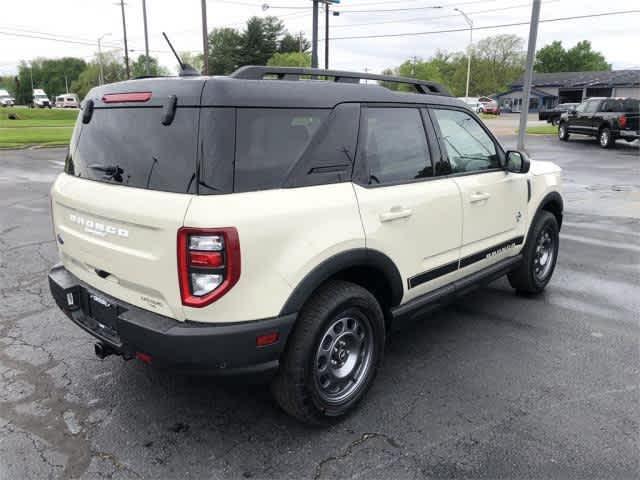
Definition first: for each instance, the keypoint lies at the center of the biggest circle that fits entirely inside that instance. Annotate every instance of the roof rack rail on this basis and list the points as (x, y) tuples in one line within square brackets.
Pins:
[(251, 72)]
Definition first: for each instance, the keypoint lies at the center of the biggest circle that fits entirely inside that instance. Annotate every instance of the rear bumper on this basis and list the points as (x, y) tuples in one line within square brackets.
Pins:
[(190, 347), (629, 134)]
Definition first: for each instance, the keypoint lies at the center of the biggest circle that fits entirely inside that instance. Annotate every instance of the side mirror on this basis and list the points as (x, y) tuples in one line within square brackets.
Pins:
[(517, 162), (573, 111)]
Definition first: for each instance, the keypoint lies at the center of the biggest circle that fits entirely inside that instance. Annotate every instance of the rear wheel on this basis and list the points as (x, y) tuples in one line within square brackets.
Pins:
[(605, 138), (540, 254), (563, 132), (332, 355)]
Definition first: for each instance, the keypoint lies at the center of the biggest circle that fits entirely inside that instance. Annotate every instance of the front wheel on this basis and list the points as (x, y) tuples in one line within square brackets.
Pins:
[(333, 354), (563, 132), (540, 254)]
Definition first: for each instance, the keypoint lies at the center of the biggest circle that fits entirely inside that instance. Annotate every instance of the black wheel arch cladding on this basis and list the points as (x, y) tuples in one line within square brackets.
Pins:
[(341, 262)]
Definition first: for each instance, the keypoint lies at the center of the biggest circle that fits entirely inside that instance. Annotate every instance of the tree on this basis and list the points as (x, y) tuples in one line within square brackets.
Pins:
[(48, 74), (90, 77), (139, 68), (495, 63), (260, 40), (195, 60), (580, 58), (289, 43), (224, 50), (290, 59)]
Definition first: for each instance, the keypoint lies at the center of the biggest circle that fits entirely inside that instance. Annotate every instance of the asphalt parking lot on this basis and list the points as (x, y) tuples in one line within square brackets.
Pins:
[(496, 386)]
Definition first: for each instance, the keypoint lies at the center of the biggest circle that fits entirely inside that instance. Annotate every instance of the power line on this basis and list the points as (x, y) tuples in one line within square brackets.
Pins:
[(409, 9), (422, 19), (487, 27)]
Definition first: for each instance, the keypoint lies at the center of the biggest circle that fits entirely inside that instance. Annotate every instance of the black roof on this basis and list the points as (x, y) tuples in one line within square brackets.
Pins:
[(244, 88), (618, 78)]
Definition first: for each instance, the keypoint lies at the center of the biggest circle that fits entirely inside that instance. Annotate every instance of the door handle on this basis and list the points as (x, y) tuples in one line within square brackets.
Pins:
[(479, 197), (395, 213)]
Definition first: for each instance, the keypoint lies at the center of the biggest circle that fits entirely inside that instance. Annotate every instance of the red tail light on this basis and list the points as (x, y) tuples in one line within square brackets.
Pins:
[(208, 264), (126, 97), (622, 121)]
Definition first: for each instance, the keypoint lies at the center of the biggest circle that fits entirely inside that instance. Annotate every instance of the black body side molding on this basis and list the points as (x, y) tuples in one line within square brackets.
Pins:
[(359, 257), (431, 300)]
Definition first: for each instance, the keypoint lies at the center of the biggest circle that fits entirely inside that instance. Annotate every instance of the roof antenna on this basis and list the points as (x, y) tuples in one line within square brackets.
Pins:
[(186, 70)]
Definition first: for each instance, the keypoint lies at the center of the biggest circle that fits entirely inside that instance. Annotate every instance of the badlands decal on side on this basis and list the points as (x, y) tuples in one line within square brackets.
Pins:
[(464, 262), (98, 228)]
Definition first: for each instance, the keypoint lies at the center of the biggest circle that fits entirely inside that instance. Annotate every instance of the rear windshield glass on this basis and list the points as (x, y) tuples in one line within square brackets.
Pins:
[(627, 105), (130, 146), (269, 142)]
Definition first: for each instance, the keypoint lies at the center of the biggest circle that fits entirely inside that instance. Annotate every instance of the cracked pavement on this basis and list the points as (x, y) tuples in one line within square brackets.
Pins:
[(495, 386)]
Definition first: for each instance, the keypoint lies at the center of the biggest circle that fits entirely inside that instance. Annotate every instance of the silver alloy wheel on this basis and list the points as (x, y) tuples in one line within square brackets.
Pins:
[(604, 137), (343, 358), (544, 255), (561, 131)]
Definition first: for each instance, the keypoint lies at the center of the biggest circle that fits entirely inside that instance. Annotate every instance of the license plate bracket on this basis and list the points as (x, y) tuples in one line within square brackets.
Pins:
[(103, 311)]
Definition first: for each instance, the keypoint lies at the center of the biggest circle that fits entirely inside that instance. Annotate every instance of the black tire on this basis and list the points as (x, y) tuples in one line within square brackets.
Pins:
[(532, 276), (563, 132), (297, 386), (606, 138), (555, 121)]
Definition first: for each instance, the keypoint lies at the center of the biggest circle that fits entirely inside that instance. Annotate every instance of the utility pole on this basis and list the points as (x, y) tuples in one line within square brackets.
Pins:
[(526, 89), (126, 48), (205, 39), (66, 85), (326, 35), (146, 37), (314, 36), (470, 23)]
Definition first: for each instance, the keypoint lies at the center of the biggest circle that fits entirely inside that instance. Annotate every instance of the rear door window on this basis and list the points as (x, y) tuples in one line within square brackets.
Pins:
[(269, 141), (395, 145), (131, 147)]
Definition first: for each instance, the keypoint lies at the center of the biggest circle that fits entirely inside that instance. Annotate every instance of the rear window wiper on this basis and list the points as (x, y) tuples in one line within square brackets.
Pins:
[(111, 172)]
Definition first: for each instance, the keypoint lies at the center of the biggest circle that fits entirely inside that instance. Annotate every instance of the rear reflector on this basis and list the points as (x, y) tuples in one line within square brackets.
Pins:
[(144, 357), (205, 259), (267, 339), (126, 97)]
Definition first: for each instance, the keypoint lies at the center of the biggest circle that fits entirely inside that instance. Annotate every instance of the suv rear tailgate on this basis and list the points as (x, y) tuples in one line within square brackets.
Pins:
[(121, 240)]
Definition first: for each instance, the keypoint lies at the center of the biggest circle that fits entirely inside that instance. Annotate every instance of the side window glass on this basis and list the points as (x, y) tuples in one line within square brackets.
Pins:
[(580, 108), (269, 142), (591, 107), (468, 146), (395, 147)]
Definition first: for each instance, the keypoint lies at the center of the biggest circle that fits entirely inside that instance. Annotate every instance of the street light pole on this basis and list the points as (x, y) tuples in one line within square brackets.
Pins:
[(146, 37), (314, 36), (205, 39), (326, 36), (526, 88), (470, 23), (126, 49), (101, 79)]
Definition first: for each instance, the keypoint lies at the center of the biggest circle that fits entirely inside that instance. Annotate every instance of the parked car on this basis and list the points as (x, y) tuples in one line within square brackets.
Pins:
[(6, 100), (488, 105), (553, 115), (40, 99), (260, 223), (607, 119), (68, 100)]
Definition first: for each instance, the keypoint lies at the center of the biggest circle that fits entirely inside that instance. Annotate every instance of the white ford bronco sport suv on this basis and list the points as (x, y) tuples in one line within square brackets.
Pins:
[(281, 220)]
